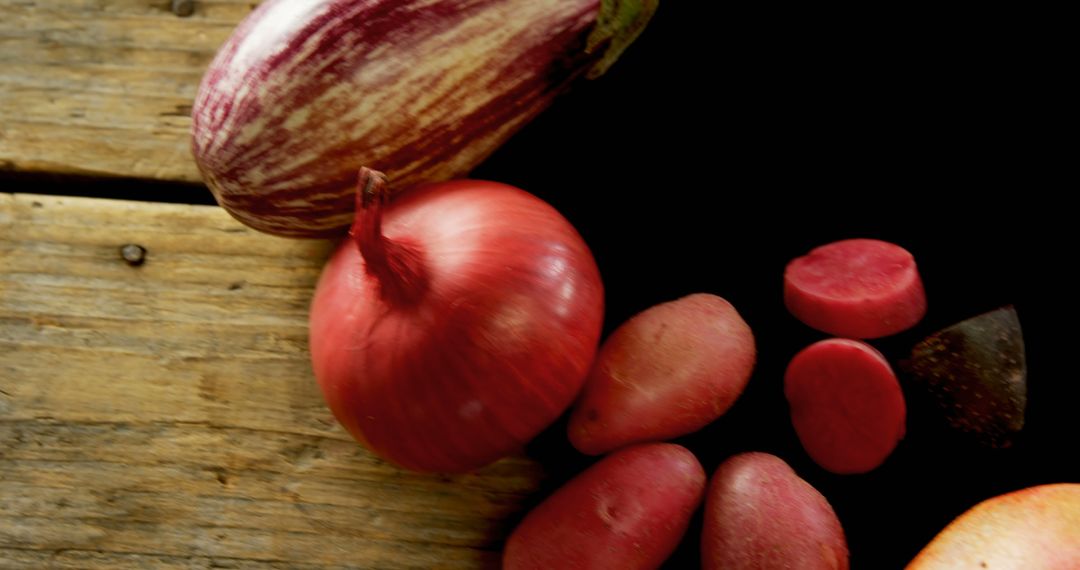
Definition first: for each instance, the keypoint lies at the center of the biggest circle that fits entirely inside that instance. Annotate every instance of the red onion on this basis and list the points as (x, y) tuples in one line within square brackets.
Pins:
[(455, 324)]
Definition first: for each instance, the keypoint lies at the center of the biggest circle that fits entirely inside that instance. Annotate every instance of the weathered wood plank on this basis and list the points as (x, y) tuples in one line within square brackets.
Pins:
[(105, 87), (165, 415)]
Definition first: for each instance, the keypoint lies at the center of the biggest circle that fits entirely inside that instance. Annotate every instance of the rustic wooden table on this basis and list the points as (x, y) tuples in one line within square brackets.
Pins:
[(164, 414), (105, 87)]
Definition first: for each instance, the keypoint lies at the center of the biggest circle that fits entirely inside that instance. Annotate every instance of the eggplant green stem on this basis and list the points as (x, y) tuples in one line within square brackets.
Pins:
[(619, 23)]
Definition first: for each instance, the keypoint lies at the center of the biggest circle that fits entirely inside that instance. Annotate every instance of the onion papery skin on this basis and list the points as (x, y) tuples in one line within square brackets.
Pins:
[(492, 349)]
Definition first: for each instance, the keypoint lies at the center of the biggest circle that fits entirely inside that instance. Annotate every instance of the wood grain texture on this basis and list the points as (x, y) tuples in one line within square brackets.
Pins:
[(165, 415), (105, 87)]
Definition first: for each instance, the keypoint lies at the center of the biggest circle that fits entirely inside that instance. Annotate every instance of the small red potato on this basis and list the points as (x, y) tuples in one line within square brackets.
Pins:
[(760, 515), (668, 371), (846, 405), (856, 288), (628, 511)]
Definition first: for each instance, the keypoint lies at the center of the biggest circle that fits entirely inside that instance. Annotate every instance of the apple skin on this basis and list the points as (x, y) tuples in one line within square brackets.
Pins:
[(1037, 528)]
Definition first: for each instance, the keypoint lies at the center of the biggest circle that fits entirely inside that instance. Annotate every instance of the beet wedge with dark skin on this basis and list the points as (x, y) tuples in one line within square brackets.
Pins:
[(976, 372)]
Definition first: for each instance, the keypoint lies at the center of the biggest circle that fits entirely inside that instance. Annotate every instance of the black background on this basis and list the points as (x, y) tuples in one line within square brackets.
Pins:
[(731, 139), (728, 141)]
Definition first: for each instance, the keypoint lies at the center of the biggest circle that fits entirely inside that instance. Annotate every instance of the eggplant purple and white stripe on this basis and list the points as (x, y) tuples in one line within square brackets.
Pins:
[(307, 91)]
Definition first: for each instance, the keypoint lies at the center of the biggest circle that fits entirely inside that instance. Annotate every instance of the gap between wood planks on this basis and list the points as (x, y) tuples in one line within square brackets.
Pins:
[(138, 189)]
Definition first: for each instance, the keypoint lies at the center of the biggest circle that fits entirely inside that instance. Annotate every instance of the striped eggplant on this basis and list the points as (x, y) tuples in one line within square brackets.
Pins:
[(305, 92)]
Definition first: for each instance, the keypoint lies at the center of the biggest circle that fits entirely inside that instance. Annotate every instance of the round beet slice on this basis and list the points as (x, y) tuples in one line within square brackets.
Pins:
[(846, 405), (857, 288)]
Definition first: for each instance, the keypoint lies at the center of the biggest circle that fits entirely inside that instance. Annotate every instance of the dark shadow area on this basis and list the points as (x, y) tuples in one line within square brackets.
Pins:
[(105, 187)]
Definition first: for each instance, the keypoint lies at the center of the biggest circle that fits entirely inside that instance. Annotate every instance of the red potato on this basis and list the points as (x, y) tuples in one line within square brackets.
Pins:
[(628, 511), (667, 372), (846, 405), (760, 515), (856, 288), (1032, 529)]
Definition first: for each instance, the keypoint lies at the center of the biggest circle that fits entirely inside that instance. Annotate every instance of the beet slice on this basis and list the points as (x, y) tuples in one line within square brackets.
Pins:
[(856, 288), (846, 405), (976, 372)]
